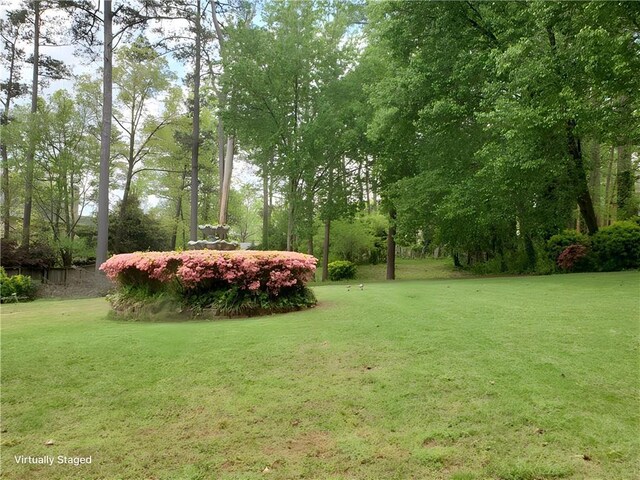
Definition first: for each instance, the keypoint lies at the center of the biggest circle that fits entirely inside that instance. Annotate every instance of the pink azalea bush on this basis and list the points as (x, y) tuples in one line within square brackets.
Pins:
[(272, 277), (248, 270)]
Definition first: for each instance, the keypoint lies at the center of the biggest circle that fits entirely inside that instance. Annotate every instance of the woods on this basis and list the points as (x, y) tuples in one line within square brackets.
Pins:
[(348, 130)]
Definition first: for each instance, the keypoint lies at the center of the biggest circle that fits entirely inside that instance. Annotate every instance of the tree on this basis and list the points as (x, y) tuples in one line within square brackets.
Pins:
[(135, 230), (11, 31), (54, 69), (490, 105), (275, 75), (140, 76), (65, 165), (86, 22)]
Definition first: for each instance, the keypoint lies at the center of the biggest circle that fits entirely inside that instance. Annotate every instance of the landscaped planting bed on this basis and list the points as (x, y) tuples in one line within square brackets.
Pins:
[(210, 282)]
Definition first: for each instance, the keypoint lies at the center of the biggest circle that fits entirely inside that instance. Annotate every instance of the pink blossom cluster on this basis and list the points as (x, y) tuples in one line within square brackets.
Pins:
[(247, 269)]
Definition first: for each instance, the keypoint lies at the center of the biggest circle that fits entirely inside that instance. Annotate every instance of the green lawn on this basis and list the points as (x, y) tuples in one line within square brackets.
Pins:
[(501, 378), (409, 269)]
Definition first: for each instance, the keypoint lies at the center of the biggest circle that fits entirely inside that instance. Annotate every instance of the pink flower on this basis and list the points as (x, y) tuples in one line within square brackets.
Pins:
[(249, 270)]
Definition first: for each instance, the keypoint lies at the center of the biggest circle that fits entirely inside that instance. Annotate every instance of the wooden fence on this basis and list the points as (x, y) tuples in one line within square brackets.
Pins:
[(56, 276)]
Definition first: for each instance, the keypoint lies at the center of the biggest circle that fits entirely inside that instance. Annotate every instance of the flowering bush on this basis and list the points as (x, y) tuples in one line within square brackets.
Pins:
[(573, 258), (256, 278)]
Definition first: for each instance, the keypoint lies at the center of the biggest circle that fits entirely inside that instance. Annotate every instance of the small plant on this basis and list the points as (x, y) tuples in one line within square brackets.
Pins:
[(574, 258), (16, 287), (617, 246), (341, 270)]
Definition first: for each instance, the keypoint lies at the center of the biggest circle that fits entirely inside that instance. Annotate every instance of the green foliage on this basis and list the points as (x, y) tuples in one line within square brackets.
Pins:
[(617, 247), (16, 287), (147, 302), (342, 270), (133, 230), (38, 255), (359, 240), (488, 103), (235, 302), (558, 243)]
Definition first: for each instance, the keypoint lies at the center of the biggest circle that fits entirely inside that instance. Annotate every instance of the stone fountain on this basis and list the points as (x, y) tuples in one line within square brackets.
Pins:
[(216, 239), (217, 234)]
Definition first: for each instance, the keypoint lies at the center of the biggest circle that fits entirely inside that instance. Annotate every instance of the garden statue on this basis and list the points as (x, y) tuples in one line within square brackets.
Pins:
[(216, 239), (217, 235)]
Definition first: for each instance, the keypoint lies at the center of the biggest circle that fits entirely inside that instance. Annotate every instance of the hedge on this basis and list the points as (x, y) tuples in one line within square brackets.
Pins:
[(227, 283)]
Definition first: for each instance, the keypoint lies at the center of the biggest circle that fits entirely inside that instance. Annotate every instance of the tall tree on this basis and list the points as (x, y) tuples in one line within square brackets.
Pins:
[(141, 76), (105, 135), (195, 136), (86, 23), (11, 57), (275, 74), (66, 163), (28, 189), (490, 105)]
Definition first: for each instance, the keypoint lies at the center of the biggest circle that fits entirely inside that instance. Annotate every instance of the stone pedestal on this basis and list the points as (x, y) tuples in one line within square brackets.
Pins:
[(216, 239)]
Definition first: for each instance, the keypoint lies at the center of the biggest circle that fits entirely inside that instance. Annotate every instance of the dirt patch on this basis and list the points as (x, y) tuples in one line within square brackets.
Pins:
[(316, 444), (430, 443)]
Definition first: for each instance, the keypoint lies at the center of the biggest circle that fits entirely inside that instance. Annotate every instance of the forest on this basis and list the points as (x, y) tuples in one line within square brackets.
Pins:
[(352, 130)]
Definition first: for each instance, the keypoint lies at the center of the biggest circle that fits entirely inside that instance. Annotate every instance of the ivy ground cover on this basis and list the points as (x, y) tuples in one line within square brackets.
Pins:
[(498, 378), (229, 283)]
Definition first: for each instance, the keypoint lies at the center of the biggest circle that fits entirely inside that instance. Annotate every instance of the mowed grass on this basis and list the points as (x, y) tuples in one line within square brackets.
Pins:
[(407, 269), (501, 378)]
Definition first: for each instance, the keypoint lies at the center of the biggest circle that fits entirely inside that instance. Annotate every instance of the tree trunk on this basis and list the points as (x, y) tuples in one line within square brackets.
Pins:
[(595, 180), (391, 246), (226, 184), (310, 244), (220, 160), (607, 190), (366, 184), (130, 161), (195, 137), (6, 193), (530, 251), (580, 178), (325, 250), (174, 235), (221, 104), (624, 183), (291, 215), (126, 191), (265, 206), (105, 139), (28, 188)]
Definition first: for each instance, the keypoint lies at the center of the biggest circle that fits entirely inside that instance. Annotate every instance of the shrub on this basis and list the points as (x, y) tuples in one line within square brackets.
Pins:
[(131, 229), (574, 258), (231, 283), (341, 270), (38, 255), (617, 247), (558, 243), (16, 287), (355, 240)]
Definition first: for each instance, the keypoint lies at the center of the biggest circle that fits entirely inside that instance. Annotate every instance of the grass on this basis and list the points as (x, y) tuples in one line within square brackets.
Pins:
[(500, 378), (407, 269)]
